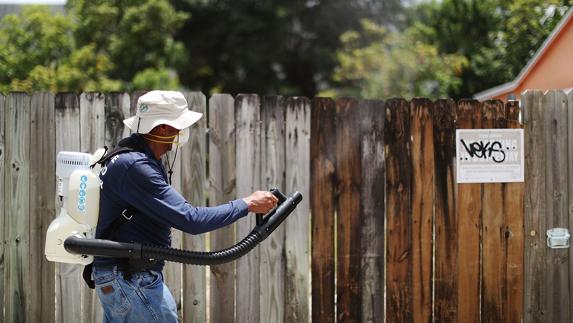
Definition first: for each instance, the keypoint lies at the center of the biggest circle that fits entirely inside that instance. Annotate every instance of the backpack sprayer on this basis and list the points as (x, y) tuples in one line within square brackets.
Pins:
[(70, 236)]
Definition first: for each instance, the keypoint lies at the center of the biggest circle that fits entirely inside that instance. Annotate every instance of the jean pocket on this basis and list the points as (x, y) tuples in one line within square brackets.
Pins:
[(113, 297), (150, 279)]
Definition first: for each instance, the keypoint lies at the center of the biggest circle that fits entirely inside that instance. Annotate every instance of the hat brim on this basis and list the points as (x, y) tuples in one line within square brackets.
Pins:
[(185, 120)]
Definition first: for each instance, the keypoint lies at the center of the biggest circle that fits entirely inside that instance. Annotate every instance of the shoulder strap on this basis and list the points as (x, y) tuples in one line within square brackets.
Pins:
[(123, 146)]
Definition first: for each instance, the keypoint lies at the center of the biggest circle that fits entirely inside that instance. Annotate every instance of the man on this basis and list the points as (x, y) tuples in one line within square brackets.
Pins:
[(137, 204)]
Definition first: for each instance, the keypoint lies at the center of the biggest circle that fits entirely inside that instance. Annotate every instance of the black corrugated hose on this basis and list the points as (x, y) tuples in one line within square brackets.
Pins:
[(78, 244)]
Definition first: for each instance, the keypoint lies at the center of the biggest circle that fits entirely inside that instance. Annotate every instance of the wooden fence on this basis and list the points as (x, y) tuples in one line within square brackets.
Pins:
[(384, 232)]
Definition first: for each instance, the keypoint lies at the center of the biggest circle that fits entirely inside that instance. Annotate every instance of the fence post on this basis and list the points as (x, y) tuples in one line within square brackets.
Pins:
[(247, 116), (297, 225), (42, 206), (222, 188), (323, 182), (193, 179)]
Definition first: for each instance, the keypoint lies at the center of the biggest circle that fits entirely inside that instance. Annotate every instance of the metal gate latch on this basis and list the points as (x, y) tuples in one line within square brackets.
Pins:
[(558, 238)]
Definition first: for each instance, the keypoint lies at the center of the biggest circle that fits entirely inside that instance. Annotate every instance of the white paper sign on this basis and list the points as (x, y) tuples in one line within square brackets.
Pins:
[(489, 155)]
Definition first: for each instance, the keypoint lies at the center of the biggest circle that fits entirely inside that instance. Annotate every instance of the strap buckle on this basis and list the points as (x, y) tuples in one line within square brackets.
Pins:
[(125, 216)]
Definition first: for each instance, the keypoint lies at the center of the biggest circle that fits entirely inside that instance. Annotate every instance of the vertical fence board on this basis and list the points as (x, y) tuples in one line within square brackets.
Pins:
[(92, 137), (172, 271), (422, 131), (372, 219), (68, 276), (494, 245), (399, 307), (469, 224), (17, 189), (445, 215), (348, 210), (513, 208), (569, 95), (42, 206), (117, 108), (535, 207), (323, 182), (222, 188), (297, 225), (193, 174), (272, 295), (3, 212), (247, 115), (556, 195)]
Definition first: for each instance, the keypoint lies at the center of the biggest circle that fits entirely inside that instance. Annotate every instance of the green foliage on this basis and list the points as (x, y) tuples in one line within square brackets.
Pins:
[(99, 46), (497, 37), (35, 41), (135, 34), (375, 62)]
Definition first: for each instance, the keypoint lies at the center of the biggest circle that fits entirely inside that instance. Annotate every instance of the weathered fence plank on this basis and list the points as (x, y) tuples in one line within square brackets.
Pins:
[(42, 206), (557, 208), (514, 210), (117, 108), (494, 245), (172, 272), (349, 171), (193, 186), (247, 116), (297, 225), (372, 220), (323, 182), (68, 276), (469, 227), (17, 290), (92, 137), (535, 207), (3, 212), (272, 271), (422, 131), (445, 215), (399, 307), (222, 188), (569, 95)]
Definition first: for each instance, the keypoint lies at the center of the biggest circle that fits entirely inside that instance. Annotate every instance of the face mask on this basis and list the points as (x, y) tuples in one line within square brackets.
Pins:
[(179, 139)]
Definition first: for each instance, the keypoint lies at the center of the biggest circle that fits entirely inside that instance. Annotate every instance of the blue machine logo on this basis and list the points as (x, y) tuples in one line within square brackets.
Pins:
[(82, 193)]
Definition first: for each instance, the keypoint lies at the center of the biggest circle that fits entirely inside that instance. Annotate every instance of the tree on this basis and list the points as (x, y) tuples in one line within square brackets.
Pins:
[(375, 62), (37, 54), (137, 36), (270, 46), (497, 37)]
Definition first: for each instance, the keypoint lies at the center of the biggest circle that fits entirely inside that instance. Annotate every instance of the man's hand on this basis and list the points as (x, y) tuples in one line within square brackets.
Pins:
[(261, 201)]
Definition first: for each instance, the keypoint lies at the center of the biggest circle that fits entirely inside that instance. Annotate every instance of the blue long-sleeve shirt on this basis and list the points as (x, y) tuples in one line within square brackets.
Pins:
[(138, 179)]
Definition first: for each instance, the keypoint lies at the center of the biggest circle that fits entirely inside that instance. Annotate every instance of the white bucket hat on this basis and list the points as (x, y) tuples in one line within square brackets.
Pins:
[(163, 107)]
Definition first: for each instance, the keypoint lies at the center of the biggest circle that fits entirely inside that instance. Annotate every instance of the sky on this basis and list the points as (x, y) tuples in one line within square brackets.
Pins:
[(32, 2)]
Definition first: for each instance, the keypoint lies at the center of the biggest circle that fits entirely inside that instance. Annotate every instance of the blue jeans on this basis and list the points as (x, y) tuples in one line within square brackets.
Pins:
[(141, 298)]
